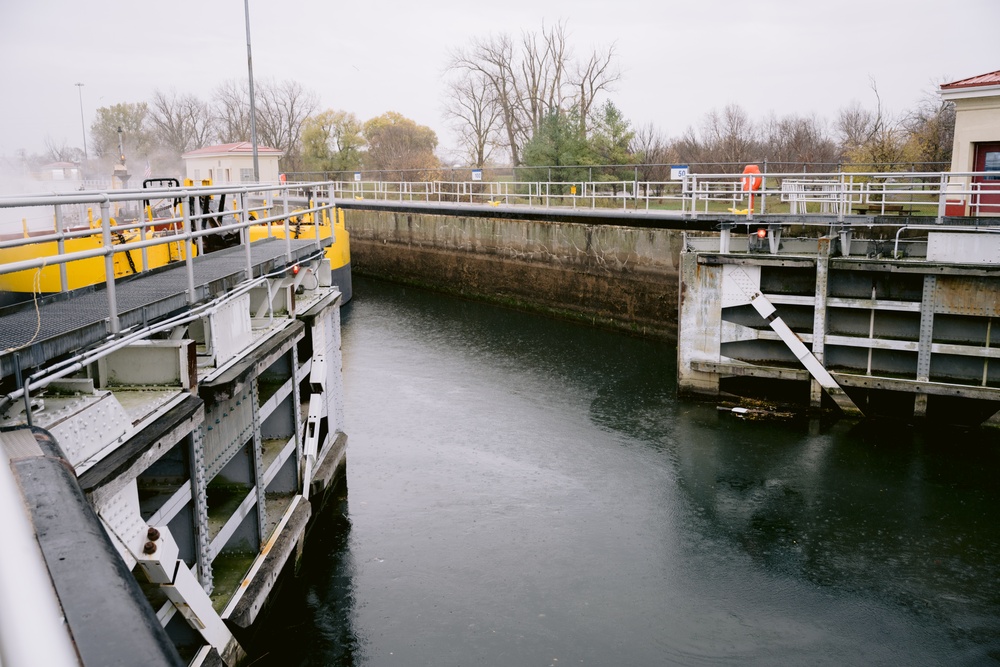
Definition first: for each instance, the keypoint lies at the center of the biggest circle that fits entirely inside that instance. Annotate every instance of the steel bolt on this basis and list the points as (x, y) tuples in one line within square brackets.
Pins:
[(152, 534), (149, 548)]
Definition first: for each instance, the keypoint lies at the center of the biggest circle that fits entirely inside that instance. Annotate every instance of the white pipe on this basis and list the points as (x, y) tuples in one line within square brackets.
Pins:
[(33, 629)]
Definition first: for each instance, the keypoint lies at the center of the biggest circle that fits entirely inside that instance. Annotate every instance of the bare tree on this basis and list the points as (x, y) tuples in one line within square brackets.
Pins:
[(60, 152), (730, 136), (652, 153), (872, 139), (181, 122), (282, 108), (931, 130), (793, 143), (534, 79), (477, 115), (231, 107), (593, 77)]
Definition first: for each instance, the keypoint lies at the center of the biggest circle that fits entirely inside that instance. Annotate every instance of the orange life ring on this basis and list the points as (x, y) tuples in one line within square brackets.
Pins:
[(751, 182)]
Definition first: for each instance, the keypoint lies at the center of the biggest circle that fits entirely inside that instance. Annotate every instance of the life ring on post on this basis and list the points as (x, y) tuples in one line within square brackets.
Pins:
[(751, 182), (282, 179)]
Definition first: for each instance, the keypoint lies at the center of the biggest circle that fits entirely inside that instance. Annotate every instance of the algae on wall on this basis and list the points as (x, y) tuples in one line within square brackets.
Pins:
[(624, 277)]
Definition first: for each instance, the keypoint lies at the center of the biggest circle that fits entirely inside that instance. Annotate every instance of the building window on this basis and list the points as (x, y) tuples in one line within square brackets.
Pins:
[(246, 175), (991, 162)]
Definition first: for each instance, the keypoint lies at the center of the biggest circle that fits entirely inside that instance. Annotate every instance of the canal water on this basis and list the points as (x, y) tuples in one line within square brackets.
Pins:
[(525, 491)]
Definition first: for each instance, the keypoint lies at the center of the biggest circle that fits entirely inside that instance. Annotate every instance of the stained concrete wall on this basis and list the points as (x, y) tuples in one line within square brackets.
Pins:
[(623, 277)]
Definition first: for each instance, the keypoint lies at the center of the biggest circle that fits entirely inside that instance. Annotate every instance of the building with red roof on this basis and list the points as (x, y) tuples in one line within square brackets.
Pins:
[(231, 163), (976, 146)]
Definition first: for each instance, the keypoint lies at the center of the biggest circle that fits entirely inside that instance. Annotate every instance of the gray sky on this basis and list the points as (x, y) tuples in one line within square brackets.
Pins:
[(679, 59)]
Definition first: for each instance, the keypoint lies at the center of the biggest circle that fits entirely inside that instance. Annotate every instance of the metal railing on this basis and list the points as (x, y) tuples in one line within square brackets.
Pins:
[(185, 221), (840, 194)]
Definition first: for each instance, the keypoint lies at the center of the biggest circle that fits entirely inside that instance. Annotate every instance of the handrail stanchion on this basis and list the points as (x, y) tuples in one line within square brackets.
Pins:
[(109, 267), (188, 251), (843, 199), (142, 237), (63, 278), (942, 197), (245, 232), (288, 237)]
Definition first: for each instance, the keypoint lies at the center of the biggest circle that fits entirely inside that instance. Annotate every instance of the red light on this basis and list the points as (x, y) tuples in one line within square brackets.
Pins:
[(761, 233), (295, 270)]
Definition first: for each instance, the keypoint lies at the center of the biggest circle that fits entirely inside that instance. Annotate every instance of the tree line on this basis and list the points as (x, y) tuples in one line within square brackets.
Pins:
[(526, 101)]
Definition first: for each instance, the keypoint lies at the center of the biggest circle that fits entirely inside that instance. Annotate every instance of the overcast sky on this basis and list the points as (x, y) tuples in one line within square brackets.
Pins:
[(679, 59)]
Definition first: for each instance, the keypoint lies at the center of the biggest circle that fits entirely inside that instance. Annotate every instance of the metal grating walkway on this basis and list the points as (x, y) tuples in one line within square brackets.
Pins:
[(69, 322)]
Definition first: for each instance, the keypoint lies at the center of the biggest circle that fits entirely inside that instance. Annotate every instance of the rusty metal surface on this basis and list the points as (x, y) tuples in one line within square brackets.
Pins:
[(967, 295)]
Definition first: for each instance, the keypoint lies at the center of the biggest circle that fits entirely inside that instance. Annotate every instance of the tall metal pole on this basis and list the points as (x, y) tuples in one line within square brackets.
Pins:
[(253, 106), (83, 124)]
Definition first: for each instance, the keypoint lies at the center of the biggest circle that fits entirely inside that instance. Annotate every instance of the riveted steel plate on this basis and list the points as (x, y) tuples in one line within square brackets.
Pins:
[(967, 295)]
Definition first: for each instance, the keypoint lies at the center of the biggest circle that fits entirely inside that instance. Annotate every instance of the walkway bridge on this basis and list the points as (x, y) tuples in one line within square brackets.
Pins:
[(876, 292), (181, 408)]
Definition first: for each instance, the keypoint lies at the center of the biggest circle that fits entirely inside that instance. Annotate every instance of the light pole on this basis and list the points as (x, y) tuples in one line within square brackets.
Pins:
[(83, 124), (253, 107)]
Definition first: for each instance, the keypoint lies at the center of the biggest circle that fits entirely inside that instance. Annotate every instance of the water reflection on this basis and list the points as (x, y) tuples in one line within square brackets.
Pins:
[(524, 489), (310, 622)]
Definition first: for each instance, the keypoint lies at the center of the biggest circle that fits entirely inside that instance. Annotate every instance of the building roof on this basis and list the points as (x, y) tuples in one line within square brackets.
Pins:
[(979, 86), (60, 165), (239, 148), (988, 79)]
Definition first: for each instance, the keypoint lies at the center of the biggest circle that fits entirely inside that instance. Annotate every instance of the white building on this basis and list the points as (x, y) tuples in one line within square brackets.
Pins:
[(231, 163), (977, 143)]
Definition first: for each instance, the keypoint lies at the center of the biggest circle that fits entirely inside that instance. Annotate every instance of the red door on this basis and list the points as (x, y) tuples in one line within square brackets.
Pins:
[(987, 200)]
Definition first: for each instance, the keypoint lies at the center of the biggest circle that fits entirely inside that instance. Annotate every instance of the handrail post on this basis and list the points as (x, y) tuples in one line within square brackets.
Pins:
[(188, 250), (63, 278), (843, 200), (288, 238), (245, 232), (142, 237), (942, 197), (109, 267)]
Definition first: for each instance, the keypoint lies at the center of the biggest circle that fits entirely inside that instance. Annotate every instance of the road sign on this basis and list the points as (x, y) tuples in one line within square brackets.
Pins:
[(678, 172)]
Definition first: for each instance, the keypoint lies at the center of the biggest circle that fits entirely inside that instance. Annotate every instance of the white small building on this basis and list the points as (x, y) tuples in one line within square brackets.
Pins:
[(231, 163), (59, 171), (977, 143)]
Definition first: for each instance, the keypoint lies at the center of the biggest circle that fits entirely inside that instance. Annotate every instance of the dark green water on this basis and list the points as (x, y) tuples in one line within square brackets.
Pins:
[(524, 491)]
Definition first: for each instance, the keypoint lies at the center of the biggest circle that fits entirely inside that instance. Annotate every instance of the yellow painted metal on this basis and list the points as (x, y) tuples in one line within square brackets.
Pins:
[(301, 227), (91, 271), (82, 272)]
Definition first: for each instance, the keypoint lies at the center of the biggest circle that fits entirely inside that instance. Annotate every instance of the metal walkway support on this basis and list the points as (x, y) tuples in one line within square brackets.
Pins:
[(107, 618)]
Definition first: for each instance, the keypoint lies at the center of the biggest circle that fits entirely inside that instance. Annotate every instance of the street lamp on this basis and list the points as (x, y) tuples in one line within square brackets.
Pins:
[(83, 124), (253, 108)]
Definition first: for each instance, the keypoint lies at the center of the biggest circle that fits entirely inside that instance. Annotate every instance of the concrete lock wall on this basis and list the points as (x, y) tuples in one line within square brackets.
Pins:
[(622, 277)]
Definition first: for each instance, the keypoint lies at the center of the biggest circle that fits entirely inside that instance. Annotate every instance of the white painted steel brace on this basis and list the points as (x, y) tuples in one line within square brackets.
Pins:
[(767, 310)]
